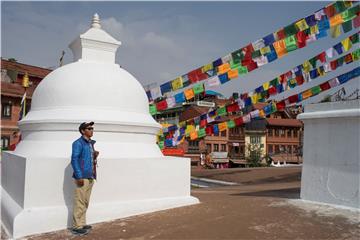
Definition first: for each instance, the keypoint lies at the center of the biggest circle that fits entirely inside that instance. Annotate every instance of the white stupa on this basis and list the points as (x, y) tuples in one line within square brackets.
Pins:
[(133, 175)]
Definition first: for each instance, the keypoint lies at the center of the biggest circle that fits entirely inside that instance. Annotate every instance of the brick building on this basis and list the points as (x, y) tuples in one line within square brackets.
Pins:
[(12, 91)]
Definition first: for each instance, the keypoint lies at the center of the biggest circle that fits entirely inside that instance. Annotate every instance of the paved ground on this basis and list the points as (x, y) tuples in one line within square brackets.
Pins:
[(260, 207)]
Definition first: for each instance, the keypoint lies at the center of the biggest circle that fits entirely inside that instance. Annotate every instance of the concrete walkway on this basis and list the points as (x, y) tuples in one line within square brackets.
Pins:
[(262, 206)]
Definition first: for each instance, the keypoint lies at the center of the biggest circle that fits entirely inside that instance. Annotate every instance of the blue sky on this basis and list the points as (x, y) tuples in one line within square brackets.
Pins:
[(160, 40)]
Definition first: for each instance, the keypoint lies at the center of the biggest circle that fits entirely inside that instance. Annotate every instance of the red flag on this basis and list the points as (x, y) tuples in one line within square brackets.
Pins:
[(301, 39), (330, 11), (333, 65), (209, 130), (299, 79), (238, 121), (162, 105), (253, 65), (232, 107), (272, 90), (280, 105), (321, 57), (293, 98), (281, 34), (325, 86), (203, 123)]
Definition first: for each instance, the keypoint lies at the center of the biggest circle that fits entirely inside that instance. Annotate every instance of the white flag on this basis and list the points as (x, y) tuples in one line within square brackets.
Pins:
[(330, 52), (155, 93), (171, 102), (212, 82)]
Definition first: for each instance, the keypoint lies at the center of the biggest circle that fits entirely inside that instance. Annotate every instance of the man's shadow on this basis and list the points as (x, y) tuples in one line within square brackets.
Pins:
[(68, 190)]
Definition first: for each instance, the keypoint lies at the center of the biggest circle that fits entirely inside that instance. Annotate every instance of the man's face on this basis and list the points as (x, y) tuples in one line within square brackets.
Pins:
[(88, 132)]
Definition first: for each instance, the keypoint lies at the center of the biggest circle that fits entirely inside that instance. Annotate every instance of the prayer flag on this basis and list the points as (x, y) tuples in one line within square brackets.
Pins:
[(223, 78), (222, 126), (306, 94), (301, 39), (258, 44), (193, 135), (291, 29), (162, 105), (223, 68), (155, 93), (315, 90), (262, 60), (189, 94), (207, 67), (269, 39), (346, 44), (212, 82), (221, 111), (165, 87), (234, 107), (198, 88), (336, 20), (233, 73), (216, 128), (254, 114), (177, 83), (280, 48), (227, 58), (152, 109), (330, 52), (171, 102), (265, 50), (246, 118), (301, 25), (335, 31), (230, 124), (180, 97), (325, 86), (280, 105), (201, 133), (242, 70), (238, 121), (290, 43), (310, 20), (217, 62)]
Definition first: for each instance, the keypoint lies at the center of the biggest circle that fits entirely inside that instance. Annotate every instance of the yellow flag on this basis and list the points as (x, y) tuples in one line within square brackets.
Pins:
[(335, 31), (306, 94), (222, 126), (347, 4), (261, 113), (189, 94), (321, 71), (336, 20), (207, 67), (265, 50), (293, 81), (314, 29), (266, 85), (189, 129), (177, 83), (301, 25), (306, 66), (254, 98), (346, 44), (223, 68), (233, 73)]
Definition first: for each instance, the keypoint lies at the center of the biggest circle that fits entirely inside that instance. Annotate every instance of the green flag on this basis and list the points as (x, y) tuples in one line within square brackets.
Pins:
[(161, 145), (256, 54), (242, 70), (313, 62), (230, 124), (347, 26), (198, 88), (290, 30), (201, 133), (290, 43), (315, 90), (152, 109), (355, 38), (234, 65), (221, 111), (356, 54), (237, 56), (274, 82)]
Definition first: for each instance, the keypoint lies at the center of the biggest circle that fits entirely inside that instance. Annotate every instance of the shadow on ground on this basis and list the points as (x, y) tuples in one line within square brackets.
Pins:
[(289, 193)]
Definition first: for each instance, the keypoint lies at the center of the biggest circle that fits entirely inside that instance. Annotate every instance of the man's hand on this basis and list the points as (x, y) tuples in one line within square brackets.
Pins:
[(96, 154), (79, 182)]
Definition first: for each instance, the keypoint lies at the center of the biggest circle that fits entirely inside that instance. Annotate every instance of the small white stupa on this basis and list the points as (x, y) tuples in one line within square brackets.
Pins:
[(133, 175)]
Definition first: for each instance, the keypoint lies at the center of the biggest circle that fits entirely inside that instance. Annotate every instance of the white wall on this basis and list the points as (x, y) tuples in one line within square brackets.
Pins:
[(331, 168)]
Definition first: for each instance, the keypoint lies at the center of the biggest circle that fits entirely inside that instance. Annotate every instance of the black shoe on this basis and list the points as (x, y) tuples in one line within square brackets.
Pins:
[(79, 231), (87, 227)]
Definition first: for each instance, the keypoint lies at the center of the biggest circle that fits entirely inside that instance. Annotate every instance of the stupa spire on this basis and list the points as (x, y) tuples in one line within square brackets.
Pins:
[(96, 21)]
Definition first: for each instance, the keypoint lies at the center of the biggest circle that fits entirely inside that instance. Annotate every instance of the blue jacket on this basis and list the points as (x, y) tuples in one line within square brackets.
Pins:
[(82, 158)]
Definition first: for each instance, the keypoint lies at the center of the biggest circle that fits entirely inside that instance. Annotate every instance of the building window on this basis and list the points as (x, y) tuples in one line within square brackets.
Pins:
[(223, 147), (276, 132), (255, 139), (289, 149), (5, 141), (223, 133), (282, 148), (193, 146), (208, 148), (237, 149), (295, 133), (270, 132), (295, 149), (282, 132), (242, 149), (6, 110), (216, 147), (270, 148), (289, 133), (277, 150)]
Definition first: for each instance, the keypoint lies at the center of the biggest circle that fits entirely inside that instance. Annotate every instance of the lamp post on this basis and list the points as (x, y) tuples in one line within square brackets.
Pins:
[(25, 84)]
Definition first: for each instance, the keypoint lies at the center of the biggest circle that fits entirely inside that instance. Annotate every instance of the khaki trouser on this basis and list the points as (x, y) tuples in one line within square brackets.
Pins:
[(81, 203)]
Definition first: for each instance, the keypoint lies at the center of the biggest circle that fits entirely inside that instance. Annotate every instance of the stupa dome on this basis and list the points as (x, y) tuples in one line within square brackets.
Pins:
[(93, 87)]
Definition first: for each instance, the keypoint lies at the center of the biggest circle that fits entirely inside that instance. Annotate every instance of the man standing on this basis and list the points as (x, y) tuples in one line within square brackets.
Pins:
[(83, 162)]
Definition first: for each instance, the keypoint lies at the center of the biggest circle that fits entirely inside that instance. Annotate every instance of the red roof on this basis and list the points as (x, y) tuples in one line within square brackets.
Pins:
[(192, 112), (284, 122), (22, 68)]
